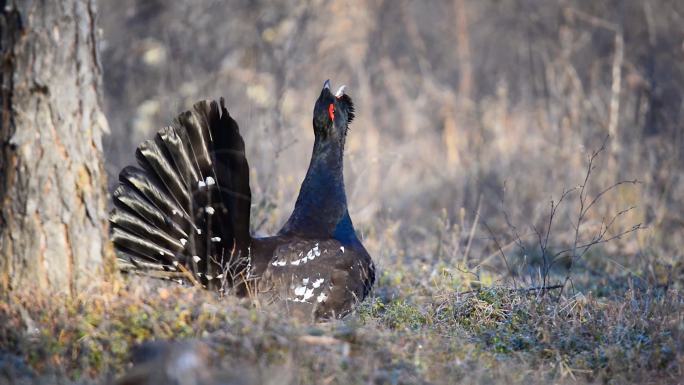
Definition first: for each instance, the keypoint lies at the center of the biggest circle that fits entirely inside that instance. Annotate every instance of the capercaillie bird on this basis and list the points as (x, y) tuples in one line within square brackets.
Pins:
[(185, 213)]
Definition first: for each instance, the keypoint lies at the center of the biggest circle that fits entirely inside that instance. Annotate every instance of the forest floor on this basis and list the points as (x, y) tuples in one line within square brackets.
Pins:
[(418, 327)]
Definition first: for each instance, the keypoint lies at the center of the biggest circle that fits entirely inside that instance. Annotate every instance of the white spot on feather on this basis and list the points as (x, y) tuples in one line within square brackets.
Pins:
[(201, 184), (183, 241), (342, 249), (317, 283), (210, 277), (308, 294), (210, 181), (210, 210), (196, 258), (321, 297), (305, 281), (301, 290), (174, 212), (310, 256), (216, 239)]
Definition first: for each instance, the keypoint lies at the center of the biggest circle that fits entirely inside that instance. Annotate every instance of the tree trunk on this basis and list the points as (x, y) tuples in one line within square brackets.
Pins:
[(52, 183)]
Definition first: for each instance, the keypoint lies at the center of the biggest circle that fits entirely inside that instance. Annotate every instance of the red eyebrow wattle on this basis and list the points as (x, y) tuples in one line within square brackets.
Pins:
[(331, 111)]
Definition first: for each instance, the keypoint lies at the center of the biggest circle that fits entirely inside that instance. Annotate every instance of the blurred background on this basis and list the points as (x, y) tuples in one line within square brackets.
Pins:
[(472, 116)]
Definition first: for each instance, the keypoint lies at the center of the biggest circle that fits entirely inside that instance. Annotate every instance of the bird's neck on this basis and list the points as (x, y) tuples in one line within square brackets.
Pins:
[(322, 202)]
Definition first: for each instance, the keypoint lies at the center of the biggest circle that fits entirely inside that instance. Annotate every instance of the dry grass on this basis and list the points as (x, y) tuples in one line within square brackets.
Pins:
[(418, 327)]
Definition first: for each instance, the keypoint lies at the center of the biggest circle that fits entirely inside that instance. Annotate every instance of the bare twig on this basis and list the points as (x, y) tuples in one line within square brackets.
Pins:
[(516, 235), (503, 255), (579, 249), (472, 231)]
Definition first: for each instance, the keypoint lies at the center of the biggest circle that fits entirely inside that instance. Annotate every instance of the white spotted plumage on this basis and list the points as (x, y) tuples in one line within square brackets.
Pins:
[(308, 294), (300, 291)]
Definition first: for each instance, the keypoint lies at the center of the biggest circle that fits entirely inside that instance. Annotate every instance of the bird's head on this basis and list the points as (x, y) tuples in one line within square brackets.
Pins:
[(333, 113)]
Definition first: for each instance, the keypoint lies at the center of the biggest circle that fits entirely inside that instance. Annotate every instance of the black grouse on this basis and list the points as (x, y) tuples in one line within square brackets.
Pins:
[(184, 213)]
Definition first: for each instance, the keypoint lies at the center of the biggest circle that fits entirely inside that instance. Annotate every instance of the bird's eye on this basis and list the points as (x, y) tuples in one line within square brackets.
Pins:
[(331, 111)]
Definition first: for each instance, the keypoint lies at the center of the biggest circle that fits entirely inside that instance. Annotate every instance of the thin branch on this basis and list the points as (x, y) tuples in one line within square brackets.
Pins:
[(608, 189), (472, 231), (498, 246)]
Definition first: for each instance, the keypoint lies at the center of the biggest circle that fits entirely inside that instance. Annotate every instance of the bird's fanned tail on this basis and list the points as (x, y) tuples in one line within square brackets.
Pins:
[(184, 211)]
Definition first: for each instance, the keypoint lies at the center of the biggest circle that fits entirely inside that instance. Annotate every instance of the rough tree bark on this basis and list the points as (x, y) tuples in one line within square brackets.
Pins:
[(52, 180)]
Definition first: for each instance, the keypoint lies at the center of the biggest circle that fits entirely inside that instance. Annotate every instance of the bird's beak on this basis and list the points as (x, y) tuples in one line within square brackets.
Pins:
[(338, 93)]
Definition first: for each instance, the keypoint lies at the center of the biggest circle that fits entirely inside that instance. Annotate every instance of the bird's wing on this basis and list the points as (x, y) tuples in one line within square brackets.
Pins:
[(317, 278)]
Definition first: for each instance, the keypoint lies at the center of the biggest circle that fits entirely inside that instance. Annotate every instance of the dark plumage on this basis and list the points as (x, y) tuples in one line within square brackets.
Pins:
[(184, 214)]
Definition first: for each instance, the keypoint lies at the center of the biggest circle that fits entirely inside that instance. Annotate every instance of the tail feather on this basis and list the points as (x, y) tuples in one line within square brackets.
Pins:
[(134, 225), (198, 138), (178, 152), (142, 246), (129, 262), (231, 165), (144, 182), (151, 156), (128, 200), (189, 201)]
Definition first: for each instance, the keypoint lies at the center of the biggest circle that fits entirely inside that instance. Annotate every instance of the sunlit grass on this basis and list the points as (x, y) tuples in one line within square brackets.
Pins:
[(412, 328)]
